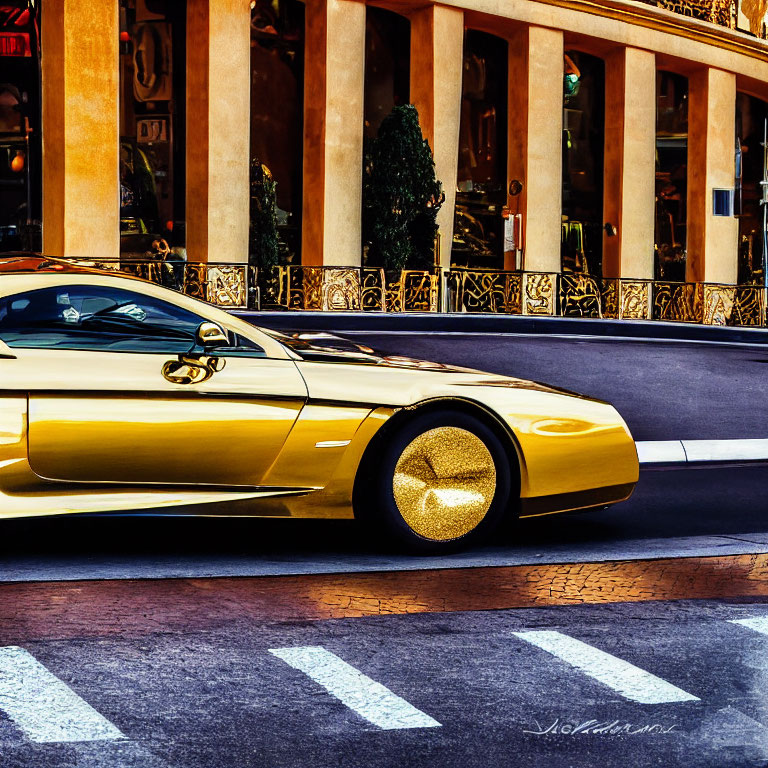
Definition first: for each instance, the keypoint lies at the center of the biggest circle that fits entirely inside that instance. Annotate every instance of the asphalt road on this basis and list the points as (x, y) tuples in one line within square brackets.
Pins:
[(474, 692)]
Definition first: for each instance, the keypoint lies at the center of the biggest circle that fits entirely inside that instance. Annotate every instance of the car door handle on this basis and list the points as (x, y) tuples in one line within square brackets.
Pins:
[(191, 370)]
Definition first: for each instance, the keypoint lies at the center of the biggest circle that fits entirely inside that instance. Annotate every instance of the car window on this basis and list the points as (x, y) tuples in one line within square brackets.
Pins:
[(101, 318)]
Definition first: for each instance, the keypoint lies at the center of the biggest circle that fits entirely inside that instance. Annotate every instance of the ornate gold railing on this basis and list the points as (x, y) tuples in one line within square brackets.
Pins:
[(500, 292), (627, 299), (364, 289), (358, 288), (721, 12), (576, 295), (710, 303), (227, 285)]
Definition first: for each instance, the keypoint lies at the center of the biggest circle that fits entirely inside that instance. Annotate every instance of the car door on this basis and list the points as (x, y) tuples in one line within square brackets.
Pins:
[(106, 404)]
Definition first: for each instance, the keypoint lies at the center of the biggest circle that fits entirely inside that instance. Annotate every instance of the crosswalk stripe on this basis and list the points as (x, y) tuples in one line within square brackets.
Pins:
[(368, 698), (756, 623), (43, 707), (630, 681)]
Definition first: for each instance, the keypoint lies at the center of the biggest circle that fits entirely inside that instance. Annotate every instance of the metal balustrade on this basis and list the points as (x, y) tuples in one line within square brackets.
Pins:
[(364, 289), (227, 285)]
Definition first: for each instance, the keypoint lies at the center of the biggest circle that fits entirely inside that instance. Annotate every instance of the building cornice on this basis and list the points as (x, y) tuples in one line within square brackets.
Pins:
[(662, 20), (633, 12)]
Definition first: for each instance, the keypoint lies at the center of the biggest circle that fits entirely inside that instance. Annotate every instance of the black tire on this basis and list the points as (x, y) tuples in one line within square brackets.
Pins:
[(375, 497)]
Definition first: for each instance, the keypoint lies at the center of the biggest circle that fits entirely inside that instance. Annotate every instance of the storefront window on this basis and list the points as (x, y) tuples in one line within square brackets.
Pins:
[(583, 149), (277, 110), (671, 176), (20, 139), (152, 127), (751, 128), (481, 193), (387, 66)]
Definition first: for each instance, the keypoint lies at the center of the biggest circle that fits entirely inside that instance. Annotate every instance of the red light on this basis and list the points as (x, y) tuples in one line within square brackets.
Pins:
[(14, 44), (125, 37)]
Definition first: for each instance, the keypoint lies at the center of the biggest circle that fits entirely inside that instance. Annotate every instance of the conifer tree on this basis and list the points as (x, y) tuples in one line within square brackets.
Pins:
[(401, 196), (263, 247)]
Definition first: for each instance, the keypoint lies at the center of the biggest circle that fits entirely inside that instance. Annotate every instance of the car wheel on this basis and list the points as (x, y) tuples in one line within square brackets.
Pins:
[(440, 482)]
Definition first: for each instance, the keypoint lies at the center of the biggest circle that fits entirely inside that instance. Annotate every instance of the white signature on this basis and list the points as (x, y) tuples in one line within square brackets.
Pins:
[(599, 728)]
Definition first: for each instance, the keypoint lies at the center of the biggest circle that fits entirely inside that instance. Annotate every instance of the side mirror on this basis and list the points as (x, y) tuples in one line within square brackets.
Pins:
[(210, 336)]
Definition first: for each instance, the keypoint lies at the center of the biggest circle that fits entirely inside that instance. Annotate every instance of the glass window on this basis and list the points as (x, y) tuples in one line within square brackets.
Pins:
[(481, 188), (152, 127), (583, 155), (671, 176), (387, 66), (751, 129), (20, 134), (277, 119), (96, 318)]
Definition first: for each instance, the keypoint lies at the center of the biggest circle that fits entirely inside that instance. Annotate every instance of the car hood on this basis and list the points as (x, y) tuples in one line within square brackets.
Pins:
[(332, 351), (327, 347)]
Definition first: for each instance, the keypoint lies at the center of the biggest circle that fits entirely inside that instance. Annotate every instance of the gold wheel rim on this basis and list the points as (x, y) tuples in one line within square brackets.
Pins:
[(444, 483)]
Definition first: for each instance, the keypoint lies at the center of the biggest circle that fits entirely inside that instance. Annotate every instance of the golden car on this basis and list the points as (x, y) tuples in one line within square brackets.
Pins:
[(119, 395)]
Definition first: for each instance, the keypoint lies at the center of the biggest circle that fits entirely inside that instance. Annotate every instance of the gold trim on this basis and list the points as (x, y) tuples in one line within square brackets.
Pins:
[(662, 23)]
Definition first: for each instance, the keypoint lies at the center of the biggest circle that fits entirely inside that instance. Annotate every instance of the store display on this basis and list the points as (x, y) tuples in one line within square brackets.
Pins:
[(387, 66), (481, 192), (571, 78), (751, 119), (277, 113), (20, 124), (671, 177), (152, 122), (152, 61), (583, 150)]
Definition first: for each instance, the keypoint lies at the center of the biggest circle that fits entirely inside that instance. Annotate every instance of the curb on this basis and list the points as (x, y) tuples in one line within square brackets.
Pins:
[(417, 322)]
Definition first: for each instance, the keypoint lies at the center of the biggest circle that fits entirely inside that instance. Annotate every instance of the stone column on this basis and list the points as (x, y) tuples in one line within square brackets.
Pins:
[(81, 152), (712, 240), (334, 76), (630, 164), (437, 54), (218, 130), (535, 141)]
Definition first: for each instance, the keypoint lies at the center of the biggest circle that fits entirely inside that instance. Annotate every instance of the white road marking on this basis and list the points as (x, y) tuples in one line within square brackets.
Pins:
[(630, 681), (756, 623), (43, 707), (368, 698)]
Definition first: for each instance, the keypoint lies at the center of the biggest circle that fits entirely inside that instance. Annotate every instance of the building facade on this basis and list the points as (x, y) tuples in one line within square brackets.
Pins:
[(617, 139)]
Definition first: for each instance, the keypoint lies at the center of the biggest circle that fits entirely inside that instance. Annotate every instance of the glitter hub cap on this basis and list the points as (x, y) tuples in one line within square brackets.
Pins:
[(444, 483)]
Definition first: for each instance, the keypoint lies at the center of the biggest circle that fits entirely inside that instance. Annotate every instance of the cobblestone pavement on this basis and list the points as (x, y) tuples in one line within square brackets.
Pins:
[(60, 610)]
